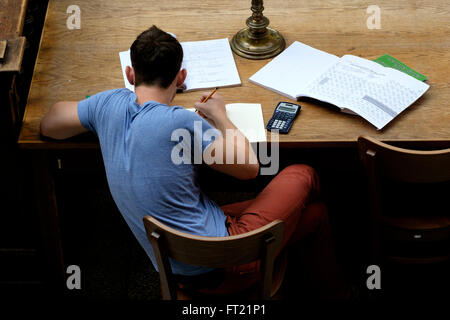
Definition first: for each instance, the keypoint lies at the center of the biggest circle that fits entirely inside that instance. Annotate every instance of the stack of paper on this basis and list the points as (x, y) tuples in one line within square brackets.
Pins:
[(209, 64)]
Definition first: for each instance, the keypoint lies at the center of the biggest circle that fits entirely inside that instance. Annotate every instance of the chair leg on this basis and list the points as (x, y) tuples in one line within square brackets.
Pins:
[(278, 274)]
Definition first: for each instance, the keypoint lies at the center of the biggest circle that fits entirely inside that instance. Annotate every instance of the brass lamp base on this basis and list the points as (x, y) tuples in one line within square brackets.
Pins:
[(264, 47), (257, 41)]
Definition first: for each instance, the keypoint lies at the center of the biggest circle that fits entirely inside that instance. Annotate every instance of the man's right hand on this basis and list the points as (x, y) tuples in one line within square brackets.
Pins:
[(213, 109), (232, 141)]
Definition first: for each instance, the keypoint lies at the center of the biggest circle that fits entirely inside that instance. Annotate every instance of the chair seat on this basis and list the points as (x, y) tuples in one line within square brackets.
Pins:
[(417, 223), (407, 260), (416, 236)]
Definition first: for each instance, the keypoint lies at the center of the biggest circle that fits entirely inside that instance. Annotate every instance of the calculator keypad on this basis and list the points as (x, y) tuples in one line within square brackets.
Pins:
[(282, 121)]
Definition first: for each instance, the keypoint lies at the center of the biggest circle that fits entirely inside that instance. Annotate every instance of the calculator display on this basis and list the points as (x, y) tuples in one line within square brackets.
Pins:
[(286, 109)]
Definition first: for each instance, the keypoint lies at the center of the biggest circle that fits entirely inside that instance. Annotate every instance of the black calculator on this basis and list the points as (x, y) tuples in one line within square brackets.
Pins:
[(283, 116)]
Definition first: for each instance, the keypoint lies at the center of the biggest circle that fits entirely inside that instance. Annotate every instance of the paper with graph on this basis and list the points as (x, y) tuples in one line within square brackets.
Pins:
[(355, 85)]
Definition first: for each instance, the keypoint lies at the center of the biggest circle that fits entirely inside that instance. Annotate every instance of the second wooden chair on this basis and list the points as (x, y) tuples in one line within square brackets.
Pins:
[(427, 229)]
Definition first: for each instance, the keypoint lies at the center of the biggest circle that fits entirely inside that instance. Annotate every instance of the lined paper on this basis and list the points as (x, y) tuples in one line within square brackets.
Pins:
[(209, 64)]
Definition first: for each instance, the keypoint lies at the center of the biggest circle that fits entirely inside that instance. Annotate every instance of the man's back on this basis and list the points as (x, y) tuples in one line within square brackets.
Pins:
[(137, 149)]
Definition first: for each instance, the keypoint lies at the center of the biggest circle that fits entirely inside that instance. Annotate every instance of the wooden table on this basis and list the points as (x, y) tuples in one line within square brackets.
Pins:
[(74, 63), (12, 17)]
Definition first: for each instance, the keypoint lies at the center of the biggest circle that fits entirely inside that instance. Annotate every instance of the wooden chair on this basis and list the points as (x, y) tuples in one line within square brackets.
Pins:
[(216, 252), (425, 230)]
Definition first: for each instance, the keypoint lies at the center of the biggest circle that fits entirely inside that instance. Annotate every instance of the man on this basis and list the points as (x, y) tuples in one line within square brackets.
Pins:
[(135, 133)]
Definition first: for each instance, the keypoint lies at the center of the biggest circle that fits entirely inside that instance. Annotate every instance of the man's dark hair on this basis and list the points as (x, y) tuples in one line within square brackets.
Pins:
[(156, 57)]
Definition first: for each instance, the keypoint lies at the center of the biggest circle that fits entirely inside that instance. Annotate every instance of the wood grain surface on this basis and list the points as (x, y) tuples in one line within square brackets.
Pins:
[(12, 17), (74, 63)]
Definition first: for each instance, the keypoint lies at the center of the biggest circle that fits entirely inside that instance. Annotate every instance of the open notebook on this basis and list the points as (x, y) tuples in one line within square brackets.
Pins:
[(248, 118), (209, 64), (355, 85)]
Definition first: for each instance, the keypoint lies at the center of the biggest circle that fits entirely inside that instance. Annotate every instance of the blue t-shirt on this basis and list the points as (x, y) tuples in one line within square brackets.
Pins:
[(142, 147)]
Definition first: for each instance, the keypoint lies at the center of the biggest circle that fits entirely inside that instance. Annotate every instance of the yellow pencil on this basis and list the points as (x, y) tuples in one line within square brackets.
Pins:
[(207, 98), (210, 95)]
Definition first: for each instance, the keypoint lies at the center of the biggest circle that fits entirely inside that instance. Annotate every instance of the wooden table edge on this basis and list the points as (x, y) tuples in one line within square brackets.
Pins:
[(65, 145)]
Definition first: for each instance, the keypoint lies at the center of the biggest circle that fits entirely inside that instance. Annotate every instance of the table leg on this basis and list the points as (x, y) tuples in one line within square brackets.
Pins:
[(48, 215), (8, 118)]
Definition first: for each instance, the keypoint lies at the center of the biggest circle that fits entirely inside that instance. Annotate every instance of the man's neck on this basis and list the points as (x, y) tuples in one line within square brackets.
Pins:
[(153, 93)]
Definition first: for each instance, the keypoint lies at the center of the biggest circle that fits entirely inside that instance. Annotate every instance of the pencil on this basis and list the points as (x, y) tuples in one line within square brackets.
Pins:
[(210, 95), (207, 98)]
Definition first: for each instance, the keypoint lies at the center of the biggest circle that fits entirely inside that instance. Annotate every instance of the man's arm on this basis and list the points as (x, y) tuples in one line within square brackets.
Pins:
[(244, 163), (62, 121)]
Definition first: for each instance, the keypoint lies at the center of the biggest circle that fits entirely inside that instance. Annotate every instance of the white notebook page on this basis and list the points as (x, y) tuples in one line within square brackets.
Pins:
[(248, 118), (209, 64), (125, 61), (290, 72)]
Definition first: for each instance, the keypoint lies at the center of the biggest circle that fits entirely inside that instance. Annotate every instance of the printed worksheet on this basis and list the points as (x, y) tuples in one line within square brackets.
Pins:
[(360, 86), (355, 85)]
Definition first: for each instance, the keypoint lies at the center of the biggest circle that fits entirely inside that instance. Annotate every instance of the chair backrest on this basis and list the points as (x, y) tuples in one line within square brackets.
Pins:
[(213, 252), (385, 161), (403, 164)]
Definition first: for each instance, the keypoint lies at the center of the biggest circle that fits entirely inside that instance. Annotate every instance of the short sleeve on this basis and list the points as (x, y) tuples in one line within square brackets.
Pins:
[(90, 108)]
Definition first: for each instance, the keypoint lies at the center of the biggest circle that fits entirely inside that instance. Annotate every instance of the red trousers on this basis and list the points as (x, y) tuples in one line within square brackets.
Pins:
[(291, 196)]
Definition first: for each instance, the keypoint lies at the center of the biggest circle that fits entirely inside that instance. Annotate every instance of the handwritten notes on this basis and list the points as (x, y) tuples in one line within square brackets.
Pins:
[(209, 64)]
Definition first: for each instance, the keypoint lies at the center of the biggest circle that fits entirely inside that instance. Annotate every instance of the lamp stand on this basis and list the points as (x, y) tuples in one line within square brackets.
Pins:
[(257, 41)]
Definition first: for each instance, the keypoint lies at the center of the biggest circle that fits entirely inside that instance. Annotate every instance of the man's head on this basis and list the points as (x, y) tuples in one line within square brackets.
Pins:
[(156, 57)]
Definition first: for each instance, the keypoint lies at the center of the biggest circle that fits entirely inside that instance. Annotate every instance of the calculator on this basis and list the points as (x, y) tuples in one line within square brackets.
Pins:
[(283, 116)]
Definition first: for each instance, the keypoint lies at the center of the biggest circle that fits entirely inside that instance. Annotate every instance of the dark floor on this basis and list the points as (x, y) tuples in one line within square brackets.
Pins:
[(20, 259), (114, 266)]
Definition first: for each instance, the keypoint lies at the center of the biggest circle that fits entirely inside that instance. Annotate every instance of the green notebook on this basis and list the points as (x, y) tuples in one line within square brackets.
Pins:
[(389, 61)]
